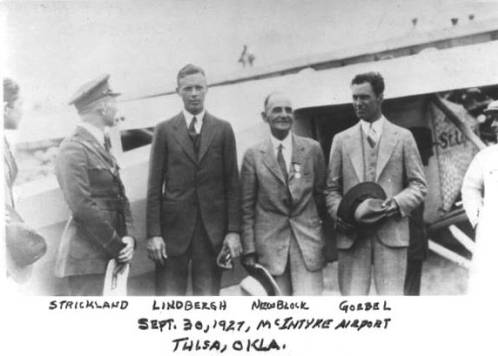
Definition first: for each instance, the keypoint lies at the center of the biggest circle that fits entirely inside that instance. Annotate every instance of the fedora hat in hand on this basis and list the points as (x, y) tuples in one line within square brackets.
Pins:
[(370, 212), (355, 196), (24, 247), (259, 282)]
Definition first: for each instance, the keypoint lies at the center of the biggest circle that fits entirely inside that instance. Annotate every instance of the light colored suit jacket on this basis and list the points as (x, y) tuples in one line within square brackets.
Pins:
[(399, 171), (272, 211), (480, 200)]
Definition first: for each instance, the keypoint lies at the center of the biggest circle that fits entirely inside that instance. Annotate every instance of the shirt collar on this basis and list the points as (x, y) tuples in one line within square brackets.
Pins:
[(188, 116), (286, 142), (97, 133), (377, 125)]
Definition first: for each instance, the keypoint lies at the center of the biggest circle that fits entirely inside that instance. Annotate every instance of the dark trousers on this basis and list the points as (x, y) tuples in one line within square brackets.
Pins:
[(86, 285), (172, 277), (413, 277)]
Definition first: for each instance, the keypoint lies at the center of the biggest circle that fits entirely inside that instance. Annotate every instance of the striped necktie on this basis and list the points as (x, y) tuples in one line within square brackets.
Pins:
[(107, 143), (371, 136)]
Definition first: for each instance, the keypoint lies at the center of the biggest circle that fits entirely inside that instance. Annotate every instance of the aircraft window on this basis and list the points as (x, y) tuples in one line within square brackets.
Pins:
[(131, 139)]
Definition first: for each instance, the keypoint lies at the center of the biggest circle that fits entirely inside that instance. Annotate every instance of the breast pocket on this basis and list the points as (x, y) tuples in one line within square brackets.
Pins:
[(100, 177)]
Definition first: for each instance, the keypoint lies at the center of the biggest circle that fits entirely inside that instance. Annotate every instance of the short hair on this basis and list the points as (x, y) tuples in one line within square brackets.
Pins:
[(10, 91), (189, 69), (268, 97), (374, 78)]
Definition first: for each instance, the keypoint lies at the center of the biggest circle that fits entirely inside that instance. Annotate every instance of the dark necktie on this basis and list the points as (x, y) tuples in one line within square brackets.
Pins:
[(281, 161), (193, 134), (107, 147), (191, 127), (107, 143)]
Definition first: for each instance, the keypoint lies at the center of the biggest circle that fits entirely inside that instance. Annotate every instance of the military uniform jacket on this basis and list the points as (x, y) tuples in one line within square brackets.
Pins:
[(89, 178)]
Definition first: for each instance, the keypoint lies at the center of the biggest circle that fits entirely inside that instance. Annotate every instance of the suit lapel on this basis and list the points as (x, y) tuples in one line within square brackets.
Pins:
[(183, 138), (95, 146), (354, 149), (270, 161), (298, 151), (387, 143), (297, 160), (207, 133)]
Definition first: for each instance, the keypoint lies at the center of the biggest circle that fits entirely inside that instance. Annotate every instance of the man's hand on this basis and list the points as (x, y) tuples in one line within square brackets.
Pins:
[(343, 226), (391, 207), (224, 259), (156, 249), (126, 253), (232, 243), (249, 259)]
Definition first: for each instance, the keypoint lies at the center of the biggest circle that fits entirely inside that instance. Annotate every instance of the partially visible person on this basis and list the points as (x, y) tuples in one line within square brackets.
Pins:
[(418, 246), (417, 252), (192, 194), (101, 227), (480, 201), (23, 245), (283, 178), (12, 114)]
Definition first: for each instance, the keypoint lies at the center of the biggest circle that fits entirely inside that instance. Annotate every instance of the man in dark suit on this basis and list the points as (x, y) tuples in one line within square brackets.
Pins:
[(193, 193), (88, 174), (283, 179), (374, 150)]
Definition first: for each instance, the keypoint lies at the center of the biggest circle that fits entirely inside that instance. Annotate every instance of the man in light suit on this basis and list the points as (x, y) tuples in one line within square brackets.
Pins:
[(101, 227), (480, 201), (282, 180), (374, 150), (193, 193)]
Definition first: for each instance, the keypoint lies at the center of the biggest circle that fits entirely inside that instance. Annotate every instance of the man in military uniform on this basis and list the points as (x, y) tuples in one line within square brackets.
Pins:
[(101, 225)]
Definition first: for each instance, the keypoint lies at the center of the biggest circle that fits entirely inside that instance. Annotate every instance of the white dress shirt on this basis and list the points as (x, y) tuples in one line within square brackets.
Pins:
[(286, 149), (376, 126), (94, 131), (200, 118)]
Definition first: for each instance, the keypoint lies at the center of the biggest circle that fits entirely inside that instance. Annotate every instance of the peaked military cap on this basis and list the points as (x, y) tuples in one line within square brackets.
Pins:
[(91, 92)]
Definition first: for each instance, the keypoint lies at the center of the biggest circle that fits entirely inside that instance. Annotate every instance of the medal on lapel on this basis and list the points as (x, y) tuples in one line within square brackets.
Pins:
[(297, 170)]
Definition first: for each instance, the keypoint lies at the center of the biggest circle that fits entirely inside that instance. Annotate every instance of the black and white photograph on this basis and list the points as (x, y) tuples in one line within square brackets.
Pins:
[(195, 150)]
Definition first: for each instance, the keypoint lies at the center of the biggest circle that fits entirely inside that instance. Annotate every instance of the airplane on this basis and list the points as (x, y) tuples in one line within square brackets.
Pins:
[(426, 75)]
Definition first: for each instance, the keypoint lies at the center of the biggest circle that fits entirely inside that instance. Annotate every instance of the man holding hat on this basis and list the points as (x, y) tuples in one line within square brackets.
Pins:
[(480, 200), (372, 220), (283, 178), (101, 227)]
